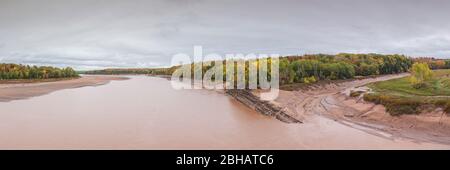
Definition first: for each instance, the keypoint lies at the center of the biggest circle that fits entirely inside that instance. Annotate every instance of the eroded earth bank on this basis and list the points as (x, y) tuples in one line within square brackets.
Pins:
[(332, 100)]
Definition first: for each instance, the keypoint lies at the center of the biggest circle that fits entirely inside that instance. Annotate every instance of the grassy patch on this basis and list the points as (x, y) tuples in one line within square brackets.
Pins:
[(400, 97), (438, 86)]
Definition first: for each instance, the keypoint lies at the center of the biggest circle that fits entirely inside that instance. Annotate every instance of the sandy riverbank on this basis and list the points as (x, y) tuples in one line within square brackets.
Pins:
[(332, 101), (22, 90)]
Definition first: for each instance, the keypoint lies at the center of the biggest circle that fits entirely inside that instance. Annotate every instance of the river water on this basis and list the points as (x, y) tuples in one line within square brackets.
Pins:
[(146, 113)]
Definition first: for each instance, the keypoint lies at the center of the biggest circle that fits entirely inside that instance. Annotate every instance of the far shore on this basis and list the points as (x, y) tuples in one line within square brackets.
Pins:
[(23, 81), (22, 89)]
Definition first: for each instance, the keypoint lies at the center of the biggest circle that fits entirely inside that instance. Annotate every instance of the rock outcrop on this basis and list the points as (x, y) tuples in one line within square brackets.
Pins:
[(264, 107)]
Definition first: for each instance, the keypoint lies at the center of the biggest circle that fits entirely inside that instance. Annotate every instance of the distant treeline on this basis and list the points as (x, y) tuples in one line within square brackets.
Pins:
[(311, 68), (149, 71), (19, 71), (434, 63)]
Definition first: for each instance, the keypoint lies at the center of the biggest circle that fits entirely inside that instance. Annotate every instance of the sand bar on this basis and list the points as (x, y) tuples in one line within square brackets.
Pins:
[(23, 90)]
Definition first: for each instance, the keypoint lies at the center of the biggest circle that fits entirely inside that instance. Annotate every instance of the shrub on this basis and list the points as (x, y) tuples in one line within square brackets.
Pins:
[(356, 93), (402, 106), (394, 106), (445, 104), (419, 85), (396, 110), (420, 72), (309, 80), (447, 108)]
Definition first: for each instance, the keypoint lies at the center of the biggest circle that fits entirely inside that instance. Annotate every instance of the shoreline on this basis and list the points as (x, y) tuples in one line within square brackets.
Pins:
[(266, 108), (432, 125), (27, 81), (331, 100), (18, 89), (338, 91)]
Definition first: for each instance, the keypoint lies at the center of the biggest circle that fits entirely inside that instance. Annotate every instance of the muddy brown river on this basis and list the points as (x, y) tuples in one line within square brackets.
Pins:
[(146, 113)]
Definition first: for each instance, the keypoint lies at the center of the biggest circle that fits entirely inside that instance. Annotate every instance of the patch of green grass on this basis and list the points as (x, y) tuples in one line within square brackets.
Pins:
[(400, 97)]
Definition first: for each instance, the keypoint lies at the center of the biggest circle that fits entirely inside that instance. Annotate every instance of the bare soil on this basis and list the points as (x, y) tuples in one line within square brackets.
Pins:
[(332, 100)]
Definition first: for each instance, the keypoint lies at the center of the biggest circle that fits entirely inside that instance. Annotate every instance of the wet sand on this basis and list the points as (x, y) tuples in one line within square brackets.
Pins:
[(332, 101), (16, 90)]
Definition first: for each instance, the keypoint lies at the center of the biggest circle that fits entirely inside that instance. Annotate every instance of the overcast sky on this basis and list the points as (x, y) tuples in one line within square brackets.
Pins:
[(98, 34)]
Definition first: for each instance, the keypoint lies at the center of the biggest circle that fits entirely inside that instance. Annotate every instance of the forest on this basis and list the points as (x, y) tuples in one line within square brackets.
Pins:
[(19, 71), (311, 68)]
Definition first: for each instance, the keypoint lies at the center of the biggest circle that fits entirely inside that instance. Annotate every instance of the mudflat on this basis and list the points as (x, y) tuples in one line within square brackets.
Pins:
[(16, 90), (332, 101)]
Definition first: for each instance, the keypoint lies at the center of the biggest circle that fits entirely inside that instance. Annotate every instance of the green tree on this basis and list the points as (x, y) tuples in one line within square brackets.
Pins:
[(18, 71), (420, 73), (286, 73)]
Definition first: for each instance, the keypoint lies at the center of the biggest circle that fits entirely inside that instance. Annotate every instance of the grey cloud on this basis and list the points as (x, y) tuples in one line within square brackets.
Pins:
[(97, 34)]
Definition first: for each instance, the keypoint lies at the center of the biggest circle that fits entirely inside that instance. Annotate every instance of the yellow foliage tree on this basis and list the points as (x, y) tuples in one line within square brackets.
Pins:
[(420, 72)]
